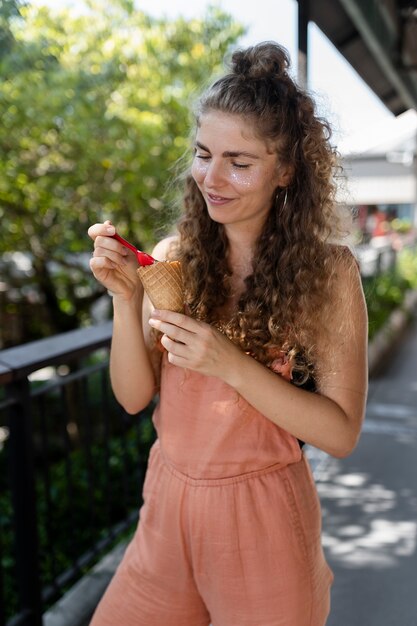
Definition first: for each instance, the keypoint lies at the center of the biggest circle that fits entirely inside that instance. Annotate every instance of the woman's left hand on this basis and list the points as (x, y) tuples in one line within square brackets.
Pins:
[(194, 344)]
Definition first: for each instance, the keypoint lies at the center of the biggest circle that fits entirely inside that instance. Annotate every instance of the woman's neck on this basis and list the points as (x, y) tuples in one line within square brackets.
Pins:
[(240, 254)]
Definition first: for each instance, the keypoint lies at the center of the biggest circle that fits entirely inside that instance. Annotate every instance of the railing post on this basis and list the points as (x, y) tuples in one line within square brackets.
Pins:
[(22, 475), (2, 607)]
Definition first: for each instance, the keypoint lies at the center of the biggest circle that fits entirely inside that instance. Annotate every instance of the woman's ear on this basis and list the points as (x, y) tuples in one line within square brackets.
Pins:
[(285, 174)]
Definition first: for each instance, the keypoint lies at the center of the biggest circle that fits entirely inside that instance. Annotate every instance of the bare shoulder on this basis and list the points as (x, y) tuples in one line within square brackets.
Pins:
[(345, 258), (347, 317), (164, 247), (348, 282)]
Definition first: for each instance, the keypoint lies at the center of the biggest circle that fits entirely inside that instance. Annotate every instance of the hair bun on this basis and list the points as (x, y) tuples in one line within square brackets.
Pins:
[(265, 60)]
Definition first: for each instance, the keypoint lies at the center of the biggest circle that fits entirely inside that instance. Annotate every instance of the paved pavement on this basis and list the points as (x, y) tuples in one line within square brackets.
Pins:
[(369, 503)]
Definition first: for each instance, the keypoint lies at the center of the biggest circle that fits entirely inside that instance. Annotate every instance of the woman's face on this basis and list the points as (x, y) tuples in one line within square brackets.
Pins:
[(234, 171)]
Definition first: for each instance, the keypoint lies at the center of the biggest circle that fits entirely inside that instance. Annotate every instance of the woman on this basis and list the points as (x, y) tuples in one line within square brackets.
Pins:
[(271, 354)]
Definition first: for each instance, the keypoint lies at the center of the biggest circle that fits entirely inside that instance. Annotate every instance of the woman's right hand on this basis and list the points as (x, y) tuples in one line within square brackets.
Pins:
[(112, 264)]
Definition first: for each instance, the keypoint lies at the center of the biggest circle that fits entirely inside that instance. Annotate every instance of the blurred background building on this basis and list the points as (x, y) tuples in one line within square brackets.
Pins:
[(383, 177)]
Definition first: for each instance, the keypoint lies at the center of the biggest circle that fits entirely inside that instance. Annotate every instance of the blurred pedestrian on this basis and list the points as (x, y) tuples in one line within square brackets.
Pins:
[(376, 223)]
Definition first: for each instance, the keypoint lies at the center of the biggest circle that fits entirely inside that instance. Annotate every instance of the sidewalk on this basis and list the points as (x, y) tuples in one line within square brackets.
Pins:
[(369, 503)]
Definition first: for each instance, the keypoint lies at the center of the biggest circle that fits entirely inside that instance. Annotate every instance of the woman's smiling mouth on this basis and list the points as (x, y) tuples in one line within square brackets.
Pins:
[(217, 200)]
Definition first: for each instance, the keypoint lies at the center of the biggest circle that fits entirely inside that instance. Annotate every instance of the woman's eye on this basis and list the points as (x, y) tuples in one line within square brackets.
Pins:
[(204, 157), (241, 166)]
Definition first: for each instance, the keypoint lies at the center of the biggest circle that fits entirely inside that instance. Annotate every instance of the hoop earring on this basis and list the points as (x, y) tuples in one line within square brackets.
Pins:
[(278, 196), (285, 199)]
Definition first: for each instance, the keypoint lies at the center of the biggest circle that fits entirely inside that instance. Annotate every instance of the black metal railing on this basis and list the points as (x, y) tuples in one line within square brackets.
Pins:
[(71, 468)]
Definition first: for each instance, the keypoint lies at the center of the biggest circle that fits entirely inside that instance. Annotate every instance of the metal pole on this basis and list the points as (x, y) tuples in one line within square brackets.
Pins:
[(303, 19), (24, 504)]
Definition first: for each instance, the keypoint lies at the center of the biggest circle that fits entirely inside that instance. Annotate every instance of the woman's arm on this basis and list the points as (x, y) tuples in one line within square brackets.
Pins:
[(132, 376), (134, 361), (330, 419)]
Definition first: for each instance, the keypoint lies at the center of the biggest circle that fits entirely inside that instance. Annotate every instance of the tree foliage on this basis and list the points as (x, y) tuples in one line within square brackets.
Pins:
[(9, 10), (95, 111)]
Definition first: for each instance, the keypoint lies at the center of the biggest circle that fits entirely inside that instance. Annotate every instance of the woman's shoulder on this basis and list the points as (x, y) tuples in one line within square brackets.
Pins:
[(344, 258), (164, 248), (346, 284), (341, 250)]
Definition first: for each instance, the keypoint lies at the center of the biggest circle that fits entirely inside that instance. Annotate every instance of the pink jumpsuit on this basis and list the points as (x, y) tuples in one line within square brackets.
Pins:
[(230, 528)]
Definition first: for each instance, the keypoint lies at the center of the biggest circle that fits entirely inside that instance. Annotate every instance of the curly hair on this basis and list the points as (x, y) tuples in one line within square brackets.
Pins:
[(284, 304)]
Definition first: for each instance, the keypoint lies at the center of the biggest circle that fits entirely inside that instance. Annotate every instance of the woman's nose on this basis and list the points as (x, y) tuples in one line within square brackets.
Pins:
[(215, 174)]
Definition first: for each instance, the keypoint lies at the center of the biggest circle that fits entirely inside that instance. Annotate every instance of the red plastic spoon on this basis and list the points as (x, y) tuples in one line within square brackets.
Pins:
[(142, 257)]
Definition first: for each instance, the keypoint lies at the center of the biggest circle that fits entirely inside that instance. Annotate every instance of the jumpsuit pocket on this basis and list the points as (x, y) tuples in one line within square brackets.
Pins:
[(148, 484), (305, 510)]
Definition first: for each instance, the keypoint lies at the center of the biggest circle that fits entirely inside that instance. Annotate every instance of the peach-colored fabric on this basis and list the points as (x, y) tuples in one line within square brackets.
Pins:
[(207, 430), (229, 532)]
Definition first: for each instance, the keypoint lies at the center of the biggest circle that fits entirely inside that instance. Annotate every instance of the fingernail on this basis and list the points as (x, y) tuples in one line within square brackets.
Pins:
[(155, 313), (111, 230)]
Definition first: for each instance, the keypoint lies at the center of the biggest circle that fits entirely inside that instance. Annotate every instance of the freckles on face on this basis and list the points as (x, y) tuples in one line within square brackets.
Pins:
[(226, 147), (236, 172), (243, 178), (237, 177), (199, 169)]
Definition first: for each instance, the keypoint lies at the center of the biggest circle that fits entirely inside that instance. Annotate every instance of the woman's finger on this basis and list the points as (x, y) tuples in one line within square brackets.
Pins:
[(107, 246), (177, 360), (106, 230), (115, 256), (177, 319), (175, 347), (109, 243), (175, 332), (101, 263)]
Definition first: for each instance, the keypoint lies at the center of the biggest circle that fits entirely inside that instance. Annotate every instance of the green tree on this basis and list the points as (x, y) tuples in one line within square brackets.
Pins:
[(95, 113), (9, 10)]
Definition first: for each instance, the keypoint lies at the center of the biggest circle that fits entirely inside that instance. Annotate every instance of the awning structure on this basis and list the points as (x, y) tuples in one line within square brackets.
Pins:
[(377, 190), (379, 40)]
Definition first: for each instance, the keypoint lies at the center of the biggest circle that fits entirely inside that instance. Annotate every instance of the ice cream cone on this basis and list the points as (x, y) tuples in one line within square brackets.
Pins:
[(162, 282)]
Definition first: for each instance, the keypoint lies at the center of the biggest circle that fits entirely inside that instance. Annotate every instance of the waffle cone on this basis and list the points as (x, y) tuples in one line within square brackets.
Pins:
[(162, 282)]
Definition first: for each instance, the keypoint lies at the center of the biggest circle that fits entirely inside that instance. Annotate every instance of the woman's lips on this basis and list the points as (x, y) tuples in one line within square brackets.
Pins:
[(217, 200)]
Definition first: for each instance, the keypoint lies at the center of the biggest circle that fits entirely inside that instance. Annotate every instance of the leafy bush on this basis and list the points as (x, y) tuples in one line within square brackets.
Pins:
[(386, 292)]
